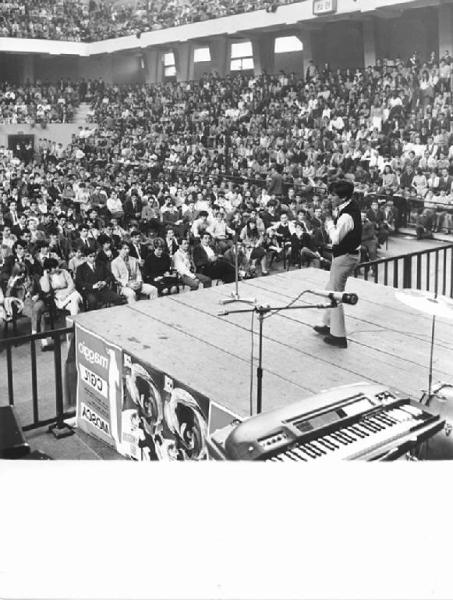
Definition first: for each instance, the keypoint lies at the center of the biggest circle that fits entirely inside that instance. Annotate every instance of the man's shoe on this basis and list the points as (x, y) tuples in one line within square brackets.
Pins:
[(322, 329), (339, 342)]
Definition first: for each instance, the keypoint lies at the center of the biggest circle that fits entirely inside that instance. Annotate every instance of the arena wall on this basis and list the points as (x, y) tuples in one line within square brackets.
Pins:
[(413, 30), (56, 132)]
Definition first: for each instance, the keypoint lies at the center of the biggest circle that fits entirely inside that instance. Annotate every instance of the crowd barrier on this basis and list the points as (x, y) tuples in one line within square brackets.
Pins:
[(58, 337), (428, 270)]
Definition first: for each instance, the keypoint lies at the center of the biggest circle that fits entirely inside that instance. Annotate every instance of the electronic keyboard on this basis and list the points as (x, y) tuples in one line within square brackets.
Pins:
[(355, 422)]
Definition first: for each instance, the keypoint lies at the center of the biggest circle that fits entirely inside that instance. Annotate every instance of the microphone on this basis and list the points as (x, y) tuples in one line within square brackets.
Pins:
[(337, 296)]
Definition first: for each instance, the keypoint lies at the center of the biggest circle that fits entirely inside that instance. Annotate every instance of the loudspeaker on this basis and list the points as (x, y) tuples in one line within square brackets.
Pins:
[(12, 441)]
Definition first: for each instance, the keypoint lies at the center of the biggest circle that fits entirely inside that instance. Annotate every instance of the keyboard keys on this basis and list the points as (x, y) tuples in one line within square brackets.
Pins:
[(378, 426), (317, 447), (326, 444), (299, 454), (340, 438), (335, 443), (292, 454), (313, 448), (355, 440), (356, 432), (308, 451)]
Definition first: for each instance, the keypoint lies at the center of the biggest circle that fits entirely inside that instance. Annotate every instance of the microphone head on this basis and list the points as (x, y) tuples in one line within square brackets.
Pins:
[(353, 298)]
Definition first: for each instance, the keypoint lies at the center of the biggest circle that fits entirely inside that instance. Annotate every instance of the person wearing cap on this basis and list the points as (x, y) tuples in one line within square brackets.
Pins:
[(345, 232)]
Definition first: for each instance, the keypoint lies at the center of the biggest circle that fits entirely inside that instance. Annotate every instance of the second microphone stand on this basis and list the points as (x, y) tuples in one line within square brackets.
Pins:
[(235, 297), (261, 312)]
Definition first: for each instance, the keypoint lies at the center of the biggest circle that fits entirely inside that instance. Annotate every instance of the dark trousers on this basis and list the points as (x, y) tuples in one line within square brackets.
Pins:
[(98, 299), (220, 269)]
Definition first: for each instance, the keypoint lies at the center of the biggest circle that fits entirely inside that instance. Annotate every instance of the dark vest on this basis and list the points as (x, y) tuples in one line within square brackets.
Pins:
[(352, 239)]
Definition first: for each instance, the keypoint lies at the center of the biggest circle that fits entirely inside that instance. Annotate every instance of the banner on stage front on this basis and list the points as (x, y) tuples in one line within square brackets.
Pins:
[(98, 386), (161, 418)]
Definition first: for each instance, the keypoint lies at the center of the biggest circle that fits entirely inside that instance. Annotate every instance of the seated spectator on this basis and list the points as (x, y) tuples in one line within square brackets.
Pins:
[(94, 281), (171, 243), (200, 225), (137, 249), (424, 224), (18, 281), (220, 232), (127, 273), (77, 259), (303, 248), (253, 243), (420, 183), (58, 284), (390, 216), (84, 240), (377, 217), (9, 307), (280, 237), (158, 269), (185, 267), (115, 206), (105, 253), (208, 263), (243, 264), (369, 238)]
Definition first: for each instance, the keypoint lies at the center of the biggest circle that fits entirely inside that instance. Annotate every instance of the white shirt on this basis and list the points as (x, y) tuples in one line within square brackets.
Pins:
[(181, 263), (345, 224)]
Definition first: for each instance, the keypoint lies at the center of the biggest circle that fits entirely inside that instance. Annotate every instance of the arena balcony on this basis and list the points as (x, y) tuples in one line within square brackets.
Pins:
[(278, 15)]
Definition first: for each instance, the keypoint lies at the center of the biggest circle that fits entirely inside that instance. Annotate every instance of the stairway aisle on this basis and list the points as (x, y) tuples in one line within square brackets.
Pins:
[(81, 114)]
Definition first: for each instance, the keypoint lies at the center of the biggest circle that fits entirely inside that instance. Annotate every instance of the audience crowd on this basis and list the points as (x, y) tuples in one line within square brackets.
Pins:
[(38, 102), (93, 20), (151, 197)]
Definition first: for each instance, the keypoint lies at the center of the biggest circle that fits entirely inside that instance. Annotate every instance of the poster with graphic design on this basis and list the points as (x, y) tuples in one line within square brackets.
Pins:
[(161, 419), (98, 386)]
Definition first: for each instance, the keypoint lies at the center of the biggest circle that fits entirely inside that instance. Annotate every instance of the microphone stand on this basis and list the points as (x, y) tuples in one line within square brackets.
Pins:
[(234, 297), (261, 312)]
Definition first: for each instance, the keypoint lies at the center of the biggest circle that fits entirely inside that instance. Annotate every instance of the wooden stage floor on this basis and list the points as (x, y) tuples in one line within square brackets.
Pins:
[(183, 335)]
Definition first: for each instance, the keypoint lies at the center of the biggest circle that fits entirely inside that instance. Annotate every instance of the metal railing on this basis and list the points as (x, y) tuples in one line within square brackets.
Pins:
[(58, 337), (429, 270)]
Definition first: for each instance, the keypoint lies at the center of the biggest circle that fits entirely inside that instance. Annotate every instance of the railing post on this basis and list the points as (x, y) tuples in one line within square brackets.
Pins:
[(451, 272), (407, 272), (436, 272), (419, 271), (9, 368), (34, 386), (395, 273), (60, 429)]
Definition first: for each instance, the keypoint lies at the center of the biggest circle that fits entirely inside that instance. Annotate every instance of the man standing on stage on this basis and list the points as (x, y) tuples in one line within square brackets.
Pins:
[(345, 232)]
